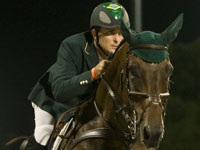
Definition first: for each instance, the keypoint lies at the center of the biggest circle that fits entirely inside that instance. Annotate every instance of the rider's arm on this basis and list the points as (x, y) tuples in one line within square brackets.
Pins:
[(66, 80)]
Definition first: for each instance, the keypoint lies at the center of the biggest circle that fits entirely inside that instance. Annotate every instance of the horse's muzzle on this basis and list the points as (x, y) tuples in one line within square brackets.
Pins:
[(152, 136)]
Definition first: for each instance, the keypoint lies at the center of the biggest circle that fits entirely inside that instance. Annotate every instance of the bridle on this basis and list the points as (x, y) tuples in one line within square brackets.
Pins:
[(133, 123), (152, 98)]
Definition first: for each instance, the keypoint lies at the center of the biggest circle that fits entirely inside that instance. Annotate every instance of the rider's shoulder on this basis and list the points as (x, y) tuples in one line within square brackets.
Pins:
[(78, 38)]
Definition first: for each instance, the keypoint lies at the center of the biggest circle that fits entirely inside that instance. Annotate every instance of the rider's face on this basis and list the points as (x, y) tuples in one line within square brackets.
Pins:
[(109, 38)]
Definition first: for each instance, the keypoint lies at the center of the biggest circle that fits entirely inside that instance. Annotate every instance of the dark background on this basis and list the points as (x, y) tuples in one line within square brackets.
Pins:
[(32, 30)]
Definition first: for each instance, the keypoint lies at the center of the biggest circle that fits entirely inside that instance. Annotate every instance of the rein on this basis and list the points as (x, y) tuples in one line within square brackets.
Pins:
[(121, 109)]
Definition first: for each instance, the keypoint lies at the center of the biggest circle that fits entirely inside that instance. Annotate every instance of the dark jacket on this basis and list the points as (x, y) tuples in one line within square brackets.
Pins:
[(68, 80)]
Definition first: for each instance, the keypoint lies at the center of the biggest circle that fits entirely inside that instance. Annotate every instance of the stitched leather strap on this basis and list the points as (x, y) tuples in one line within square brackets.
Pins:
[(98, 133), (149, 46)]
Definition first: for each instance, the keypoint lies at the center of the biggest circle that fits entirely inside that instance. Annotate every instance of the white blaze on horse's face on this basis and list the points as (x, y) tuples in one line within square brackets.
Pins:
[(110, 38)]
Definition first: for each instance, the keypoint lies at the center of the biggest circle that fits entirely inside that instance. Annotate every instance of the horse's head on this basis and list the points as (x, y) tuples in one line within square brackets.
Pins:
[(148, 74)]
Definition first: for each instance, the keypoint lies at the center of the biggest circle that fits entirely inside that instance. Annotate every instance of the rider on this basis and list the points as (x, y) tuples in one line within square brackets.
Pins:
[(81, 59)]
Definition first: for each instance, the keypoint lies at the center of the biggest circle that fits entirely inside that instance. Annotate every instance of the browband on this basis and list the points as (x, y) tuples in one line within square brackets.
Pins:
[(149, 46)]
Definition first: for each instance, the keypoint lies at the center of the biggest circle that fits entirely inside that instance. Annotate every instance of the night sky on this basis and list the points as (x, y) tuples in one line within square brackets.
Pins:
[(32, 30)]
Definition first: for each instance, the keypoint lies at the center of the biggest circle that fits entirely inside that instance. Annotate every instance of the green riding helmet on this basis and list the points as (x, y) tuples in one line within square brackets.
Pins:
[(109, 15)]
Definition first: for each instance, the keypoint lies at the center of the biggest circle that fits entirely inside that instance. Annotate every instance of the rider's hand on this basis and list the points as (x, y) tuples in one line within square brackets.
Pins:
[(100, 68)]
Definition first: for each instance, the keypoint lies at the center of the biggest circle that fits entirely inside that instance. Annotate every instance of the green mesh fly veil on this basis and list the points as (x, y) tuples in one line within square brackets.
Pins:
[(150, 46)]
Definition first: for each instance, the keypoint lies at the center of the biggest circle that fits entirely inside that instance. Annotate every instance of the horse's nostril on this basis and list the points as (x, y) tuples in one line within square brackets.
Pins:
[(146, 133)]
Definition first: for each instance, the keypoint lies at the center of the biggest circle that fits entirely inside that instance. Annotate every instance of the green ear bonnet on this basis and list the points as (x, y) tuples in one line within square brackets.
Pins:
[(163, 39), (150, 55)]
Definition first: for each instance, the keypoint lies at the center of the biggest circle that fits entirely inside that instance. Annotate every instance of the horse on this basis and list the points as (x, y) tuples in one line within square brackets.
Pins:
[(129, 107)]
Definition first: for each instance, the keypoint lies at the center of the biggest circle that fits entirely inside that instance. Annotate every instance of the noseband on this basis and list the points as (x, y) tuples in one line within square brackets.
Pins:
[(152, 99)]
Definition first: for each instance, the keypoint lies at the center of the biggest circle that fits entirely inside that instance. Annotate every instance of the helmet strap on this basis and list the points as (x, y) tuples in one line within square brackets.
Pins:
[(108, 54)]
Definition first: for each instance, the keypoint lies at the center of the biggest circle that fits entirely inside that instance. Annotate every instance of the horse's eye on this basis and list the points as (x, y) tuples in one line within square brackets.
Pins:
[(134, 70)]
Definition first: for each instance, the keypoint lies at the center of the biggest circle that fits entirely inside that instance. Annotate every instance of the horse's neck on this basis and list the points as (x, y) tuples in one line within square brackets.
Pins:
[(112, 77)]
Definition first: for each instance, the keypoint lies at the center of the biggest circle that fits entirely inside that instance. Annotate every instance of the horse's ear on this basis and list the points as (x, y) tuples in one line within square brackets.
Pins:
[(171, 32), (128, 34)]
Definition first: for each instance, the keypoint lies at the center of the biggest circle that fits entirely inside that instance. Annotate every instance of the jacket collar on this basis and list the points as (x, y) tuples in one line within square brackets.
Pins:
[(90, 52)]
